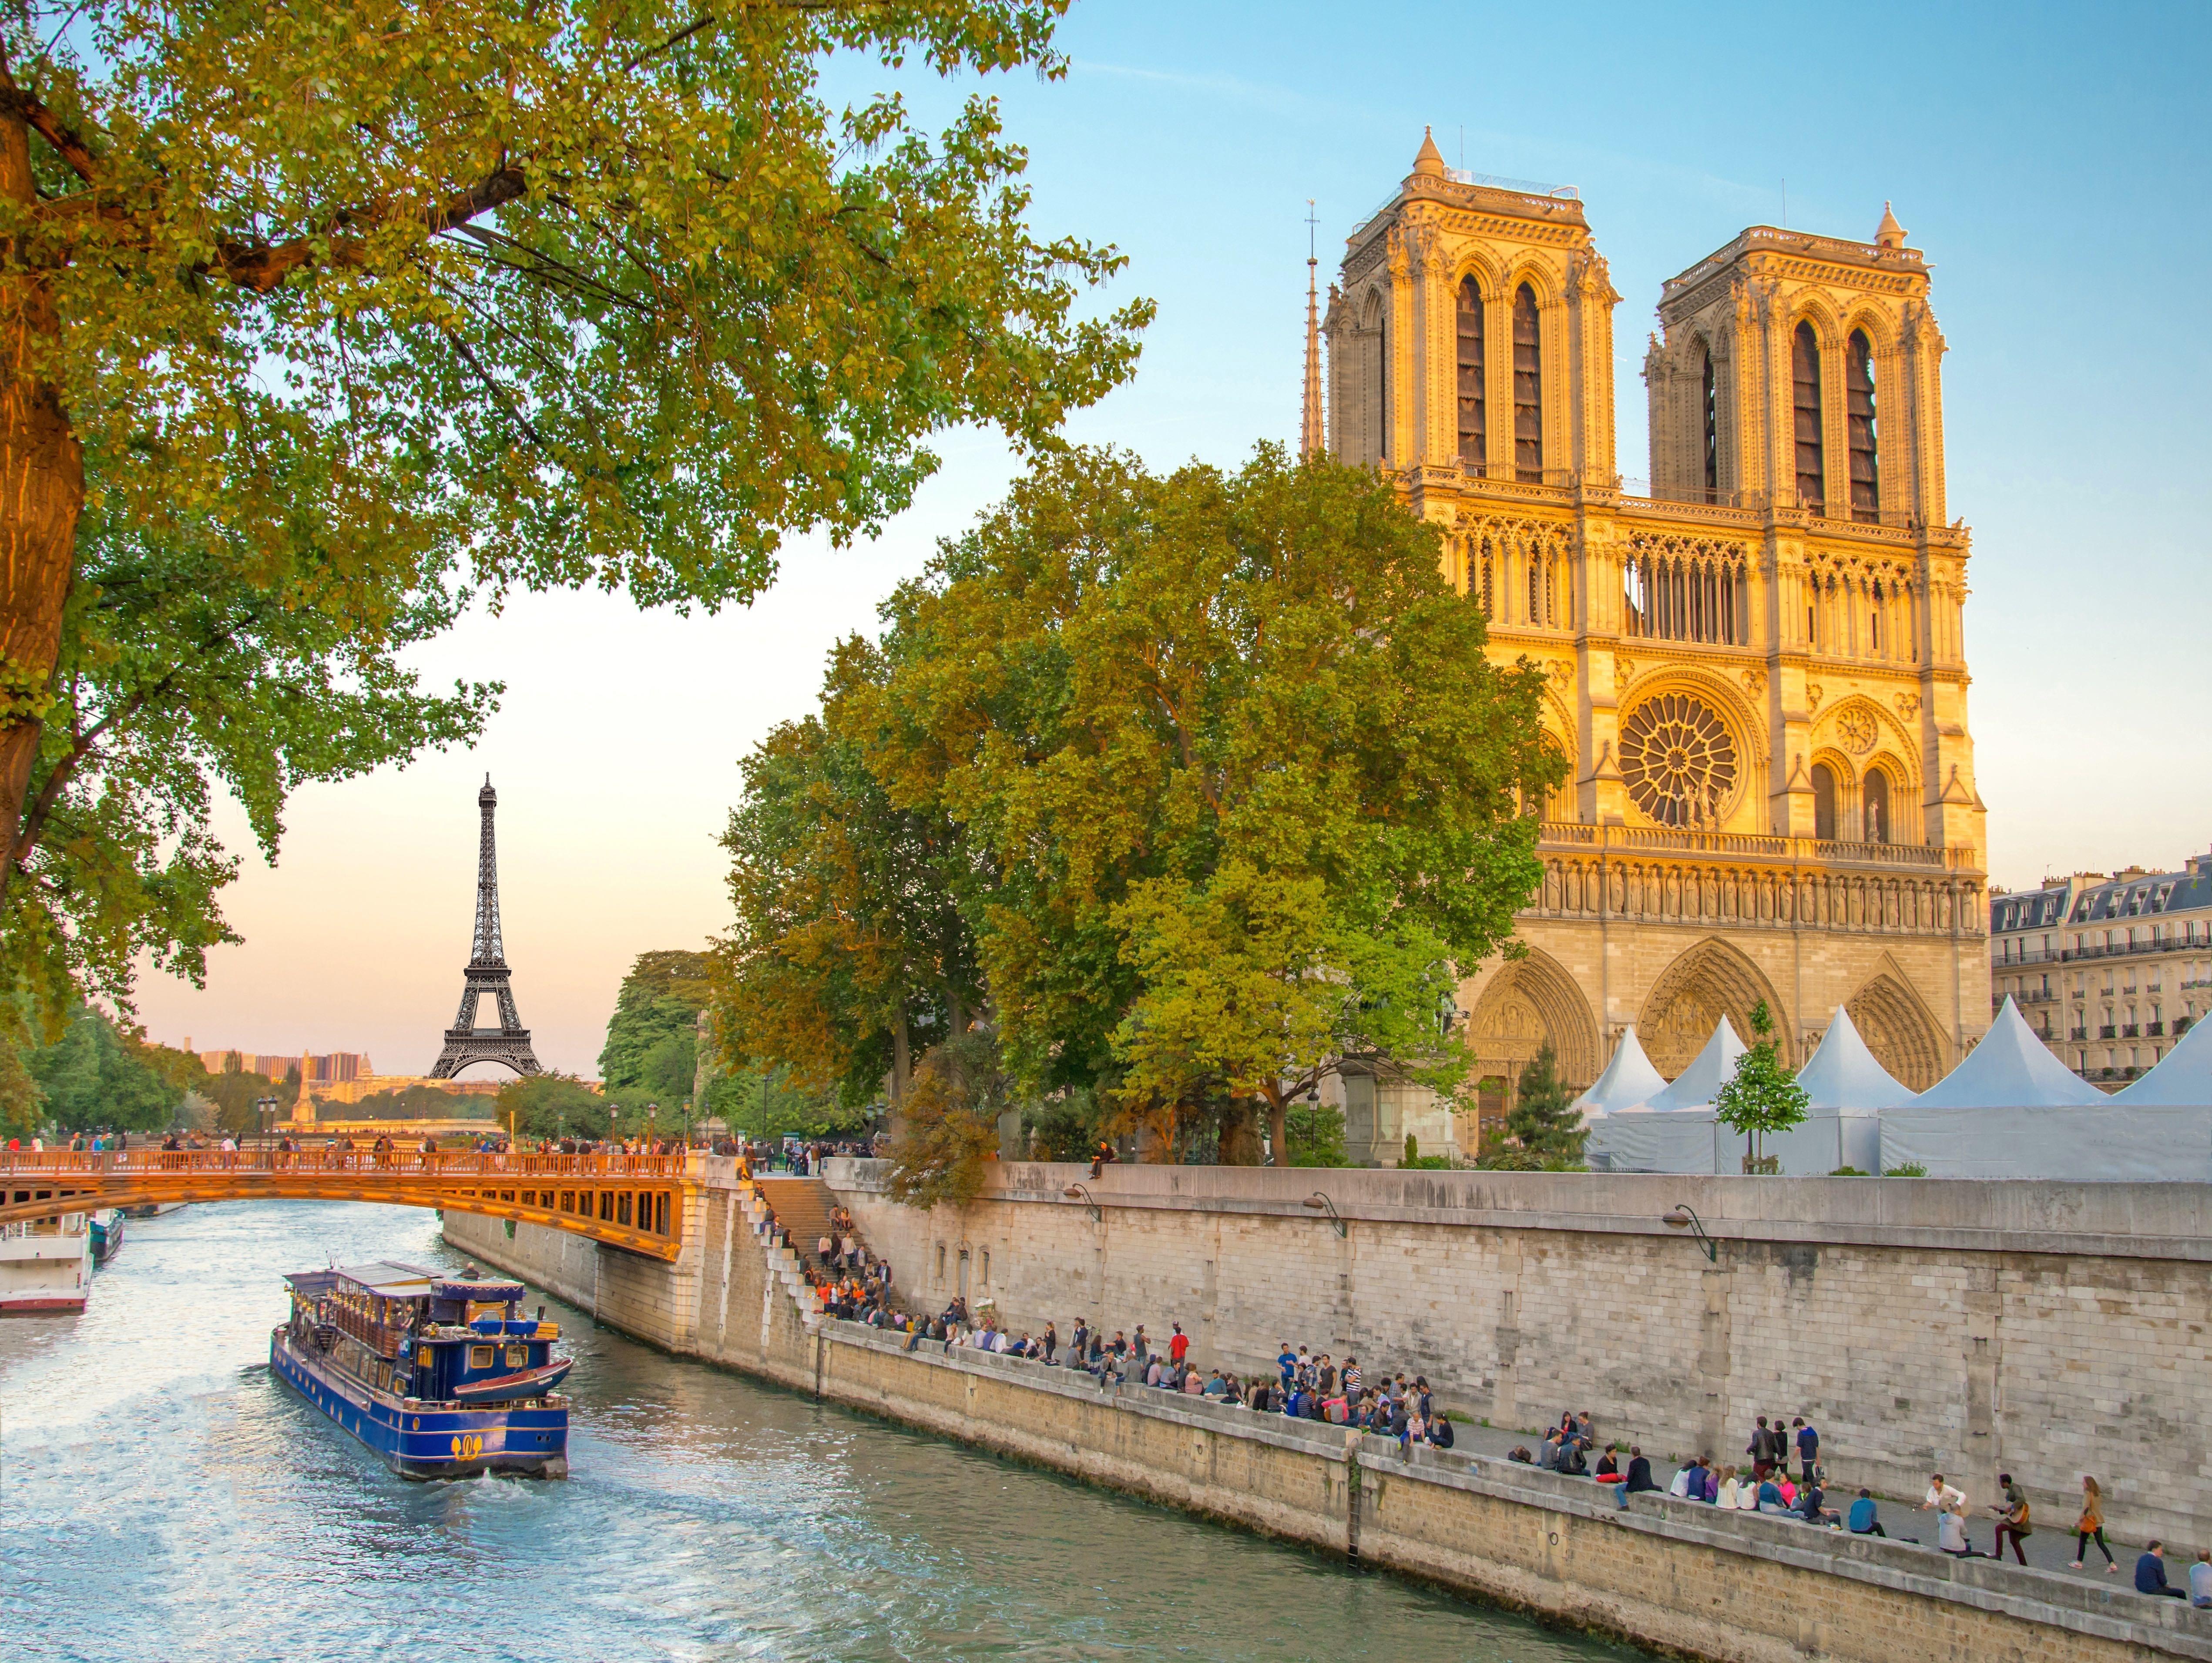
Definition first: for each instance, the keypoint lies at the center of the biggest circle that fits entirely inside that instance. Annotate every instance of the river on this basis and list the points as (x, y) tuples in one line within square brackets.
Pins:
[(163, 1495)]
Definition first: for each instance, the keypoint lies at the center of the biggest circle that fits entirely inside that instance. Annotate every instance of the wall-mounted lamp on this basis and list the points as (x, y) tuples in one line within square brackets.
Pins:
[(1321, 1203), (1684, 1217), (1081, 1193)]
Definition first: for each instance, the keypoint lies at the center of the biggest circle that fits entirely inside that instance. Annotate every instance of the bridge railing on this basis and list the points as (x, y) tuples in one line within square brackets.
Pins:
[(458, 1165)]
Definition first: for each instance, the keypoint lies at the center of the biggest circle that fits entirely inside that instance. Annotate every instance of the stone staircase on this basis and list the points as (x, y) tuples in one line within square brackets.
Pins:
[(801, 1206)]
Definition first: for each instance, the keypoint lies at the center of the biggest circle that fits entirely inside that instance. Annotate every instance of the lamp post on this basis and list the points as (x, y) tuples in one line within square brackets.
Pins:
[(1321, 1203), (265, 1108)]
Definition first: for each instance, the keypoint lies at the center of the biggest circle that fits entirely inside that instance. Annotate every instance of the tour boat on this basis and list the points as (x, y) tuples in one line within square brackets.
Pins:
[(45, 1265), (441, 1375), (107, 1231)]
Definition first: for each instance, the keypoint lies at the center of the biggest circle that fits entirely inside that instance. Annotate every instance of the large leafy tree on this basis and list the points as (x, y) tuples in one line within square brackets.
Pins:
[(314, 321), (1245, 782), (98, 1077), (850, 956), (651, 1047)]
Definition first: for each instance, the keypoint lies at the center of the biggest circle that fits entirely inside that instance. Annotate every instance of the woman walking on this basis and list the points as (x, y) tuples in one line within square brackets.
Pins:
[(2091, 1528)]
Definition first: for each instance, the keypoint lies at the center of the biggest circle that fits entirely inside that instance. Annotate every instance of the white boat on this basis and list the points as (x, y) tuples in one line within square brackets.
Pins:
[(45, 1265)]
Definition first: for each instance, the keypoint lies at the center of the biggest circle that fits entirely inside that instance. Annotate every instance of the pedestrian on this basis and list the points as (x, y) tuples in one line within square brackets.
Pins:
[(2090, 1527), (1350, 1378), (1288, 1362), (2012, 1519), (1051, 1342), (1808, 1449), (2150, 1572), (1178, 1345), (1756, 1448)]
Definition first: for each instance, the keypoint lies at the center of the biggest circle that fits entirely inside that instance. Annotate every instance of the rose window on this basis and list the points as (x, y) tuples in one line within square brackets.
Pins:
[(1678, 760)]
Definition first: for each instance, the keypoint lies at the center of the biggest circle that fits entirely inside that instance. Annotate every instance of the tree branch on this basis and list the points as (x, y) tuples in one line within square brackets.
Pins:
[(48, 126), (261, 266)]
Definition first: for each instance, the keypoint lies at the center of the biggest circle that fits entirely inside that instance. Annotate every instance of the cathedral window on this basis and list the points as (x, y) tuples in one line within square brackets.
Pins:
[(1805, 375), (1489, 609), (1873, 624), (1712, 407), (1824, 802), (1378, 380), (1858, 389), (1678, 761), (1472, 439), (1877, 806), (1528, 389), (1702, 595)]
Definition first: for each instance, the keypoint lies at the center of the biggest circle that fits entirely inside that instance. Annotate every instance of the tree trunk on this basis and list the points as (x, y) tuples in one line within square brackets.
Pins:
[(42, 493), (1279, 1128), (1240, 1135)]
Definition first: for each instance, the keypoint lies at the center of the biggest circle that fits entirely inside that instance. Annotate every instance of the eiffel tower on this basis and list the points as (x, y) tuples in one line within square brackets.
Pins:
[(465, 1042)]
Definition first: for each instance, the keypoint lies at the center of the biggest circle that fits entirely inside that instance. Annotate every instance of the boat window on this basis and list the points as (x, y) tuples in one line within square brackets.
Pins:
[(516, 1355), (480, 1357)]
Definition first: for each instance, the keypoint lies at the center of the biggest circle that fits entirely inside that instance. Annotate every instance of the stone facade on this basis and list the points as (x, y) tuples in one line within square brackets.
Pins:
[(1756, 669), (2110, 971)]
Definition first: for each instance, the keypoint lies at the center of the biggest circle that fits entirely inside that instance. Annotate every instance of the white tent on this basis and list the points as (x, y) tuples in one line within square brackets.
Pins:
[(2011, 1068), (1844, 1077), (1713, 1067), (1629, 1081), (2182, 1080)]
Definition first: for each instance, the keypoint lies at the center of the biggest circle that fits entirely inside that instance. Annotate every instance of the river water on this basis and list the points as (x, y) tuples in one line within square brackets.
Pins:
[(163, 1495)]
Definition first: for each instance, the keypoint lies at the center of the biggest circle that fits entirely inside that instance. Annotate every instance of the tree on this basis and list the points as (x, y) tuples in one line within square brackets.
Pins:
[(1761, 1096), (1240, 785), (949, 1131), (1316, 1136), (850, 954), (99, 1077), (652, 1035), (552, 1106), (1544, 1131), (319, 325)]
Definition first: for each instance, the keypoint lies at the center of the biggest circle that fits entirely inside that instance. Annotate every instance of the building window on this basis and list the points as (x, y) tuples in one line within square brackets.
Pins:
[(1858, 390), (1379, 316), (1702, 594), (1488, 609), (1528, 389), (1824, 802), (1805, 373), (1471, 439), (1712, 411), (1878, 828), (1678, 761)]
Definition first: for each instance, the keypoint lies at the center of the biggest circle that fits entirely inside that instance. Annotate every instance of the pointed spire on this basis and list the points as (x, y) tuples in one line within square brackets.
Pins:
[(1889, 234), (1312, 437), (1429, 161)]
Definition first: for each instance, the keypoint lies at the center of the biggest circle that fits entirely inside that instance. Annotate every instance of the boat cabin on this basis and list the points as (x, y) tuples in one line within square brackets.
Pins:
[(423, 1335)]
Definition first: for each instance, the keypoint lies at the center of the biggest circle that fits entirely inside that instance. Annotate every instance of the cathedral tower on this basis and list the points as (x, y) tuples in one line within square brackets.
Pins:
[(1754, 663)]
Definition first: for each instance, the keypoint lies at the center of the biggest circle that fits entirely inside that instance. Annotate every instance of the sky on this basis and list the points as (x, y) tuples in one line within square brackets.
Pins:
[(2050, 161)]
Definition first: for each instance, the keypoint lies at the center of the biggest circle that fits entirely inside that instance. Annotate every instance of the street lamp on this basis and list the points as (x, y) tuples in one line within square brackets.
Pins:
[(1321, 1203), (266, 1108), (1682, 1216)]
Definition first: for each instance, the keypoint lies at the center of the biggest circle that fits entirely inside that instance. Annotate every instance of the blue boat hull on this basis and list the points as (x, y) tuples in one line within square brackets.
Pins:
[(528, 1440)]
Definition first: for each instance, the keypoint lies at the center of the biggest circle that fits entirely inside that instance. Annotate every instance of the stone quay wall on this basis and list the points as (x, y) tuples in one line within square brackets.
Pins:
[(1730, 1587), (2044, 1329)]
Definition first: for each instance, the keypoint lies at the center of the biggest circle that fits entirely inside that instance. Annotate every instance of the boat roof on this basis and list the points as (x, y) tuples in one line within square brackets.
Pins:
[(391, 1278), (476, 1288)]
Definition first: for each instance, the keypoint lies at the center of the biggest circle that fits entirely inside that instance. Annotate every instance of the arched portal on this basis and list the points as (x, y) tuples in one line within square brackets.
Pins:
[(1523, 1005), (1712, 980), (1898, 1030)]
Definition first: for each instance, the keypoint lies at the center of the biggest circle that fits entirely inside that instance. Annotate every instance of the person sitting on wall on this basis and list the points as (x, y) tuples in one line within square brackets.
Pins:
[(1639, 1472), (1770, 1496), (1547, 1457), (1440, 1431), (1520, 1452), (1608, 1469), (1689, 1484), (2150, 1572), (1864, 1518), (1809, 1508)]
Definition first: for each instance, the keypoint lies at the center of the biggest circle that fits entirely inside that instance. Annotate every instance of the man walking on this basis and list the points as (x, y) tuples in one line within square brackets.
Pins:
[(1808, 1449)]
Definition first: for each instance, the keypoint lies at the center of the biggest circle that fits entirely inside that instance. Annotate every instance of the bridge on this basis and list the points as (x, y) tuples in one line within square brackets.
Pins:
[(635, 1202)]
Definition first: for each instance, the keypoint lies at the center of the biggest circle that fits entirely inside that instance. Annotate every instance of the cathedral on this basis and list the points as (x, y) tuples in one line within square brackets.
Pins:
[(1755, 665)]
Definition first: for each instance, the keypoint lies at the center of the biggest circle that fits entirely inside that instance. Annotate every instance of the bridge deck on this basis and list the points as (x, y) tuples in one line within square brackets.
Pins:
[(632, 1201)]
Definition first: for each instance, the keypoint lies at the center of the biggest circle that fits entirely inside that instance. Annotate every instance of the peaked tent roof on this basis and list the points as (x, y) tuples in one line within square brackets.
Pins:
[(1843, 1074), (2011, 1068), (1695, 1086), (1628, 1081), (2183, 1079)]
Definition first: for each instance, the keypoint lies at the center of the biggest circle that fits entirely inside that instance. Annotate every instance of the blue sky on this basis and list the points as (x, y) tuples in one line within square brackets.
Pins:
[(2050, 161)]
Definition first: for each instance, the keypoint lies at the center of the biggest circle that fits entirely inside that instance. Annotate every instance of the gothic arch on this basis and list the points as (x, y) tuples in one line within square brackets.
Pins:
[(1539, 277), (1488, 275), (1712, 980), (1827, 328), (1897, 1028), (1727, 702), (1880, 329), (1525, 1003)]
